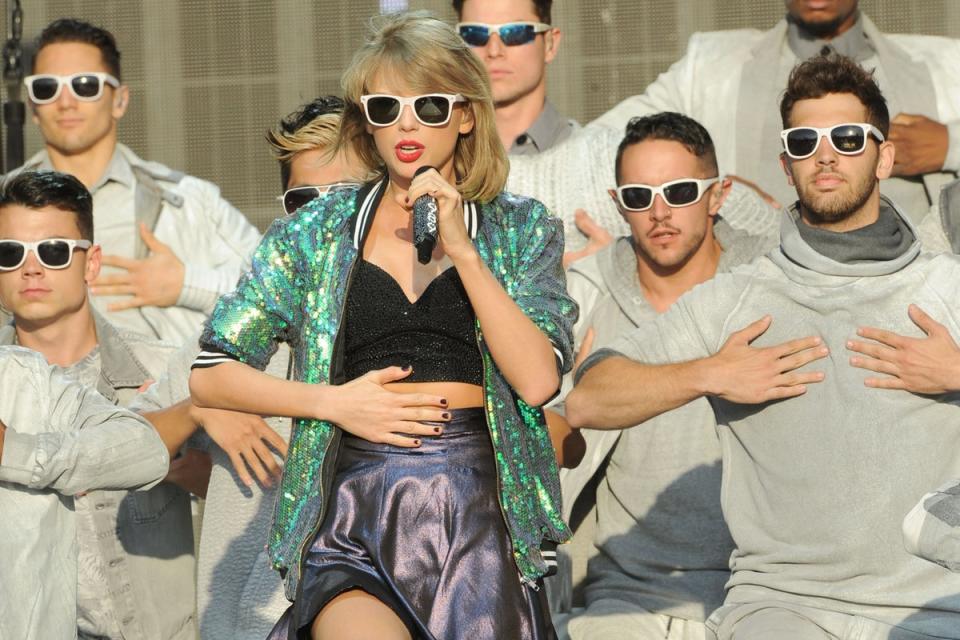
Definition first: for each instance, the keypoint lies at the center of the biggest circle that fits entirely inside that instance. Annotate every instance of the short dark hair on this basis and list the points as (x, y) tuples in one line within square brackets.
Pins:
[(669, 125), (834, 73), (73, 30), (540, 7), (314, 125), (39, 189)]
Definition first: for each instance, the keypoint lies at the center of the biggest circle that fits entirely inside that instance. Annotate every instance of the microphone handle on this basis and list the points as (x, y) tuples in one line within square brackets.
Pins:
[(425, 227)]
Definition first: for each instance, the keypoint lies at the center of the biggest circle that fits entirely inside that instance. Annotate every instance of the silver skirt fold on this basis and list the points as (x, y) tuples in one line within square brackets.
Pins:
[(422, 530)]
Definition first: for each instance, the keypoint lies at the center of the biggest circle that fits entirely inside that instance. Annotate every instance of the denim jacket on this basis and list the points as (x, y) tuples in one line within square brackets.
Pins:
[(144, 538), (295, 292), (62, 438)]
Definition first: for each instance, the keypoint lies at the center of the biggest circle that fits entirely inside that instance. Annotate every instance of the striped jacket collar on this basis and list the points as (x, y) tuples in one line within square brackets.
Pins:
[(369, 198)]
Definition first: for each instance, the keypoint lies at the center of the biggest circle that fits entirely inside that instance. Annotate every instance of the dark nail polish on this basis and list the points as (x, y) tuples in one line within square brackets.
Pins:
[(446, 416), (416, 443), (443, 401), (436, 429), (405, 367)]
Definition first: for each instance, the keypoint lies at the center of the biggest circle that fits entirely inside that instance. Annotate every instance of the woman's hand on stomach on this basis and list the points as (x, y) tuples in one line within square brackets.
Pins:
[(459, 395), (365, 408)]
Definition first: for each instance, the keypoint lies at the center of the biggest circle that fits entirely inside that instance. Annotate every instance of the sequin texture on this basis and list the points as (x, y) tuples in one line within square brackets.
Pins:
[(295, 292)]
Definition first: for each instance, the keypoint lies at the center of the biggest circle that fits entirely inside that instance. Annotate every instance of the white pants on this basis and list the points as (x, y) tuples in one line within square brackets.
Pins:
[(608, 619)]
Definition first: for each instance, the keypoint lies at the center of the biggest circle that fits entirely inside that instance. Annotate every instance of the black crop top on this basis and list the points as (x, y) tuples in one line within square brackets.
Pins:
[(435, 335)]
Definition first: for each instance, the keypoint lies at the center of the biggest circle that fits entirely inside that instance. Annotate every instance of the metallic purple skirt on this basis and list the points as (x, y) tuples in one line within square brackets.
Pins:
[(421, 530)]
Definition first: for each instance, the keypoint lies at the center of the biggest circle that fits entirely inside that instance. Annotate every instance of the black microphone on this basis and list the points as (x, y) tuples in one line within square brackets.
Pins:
[(424, 223)]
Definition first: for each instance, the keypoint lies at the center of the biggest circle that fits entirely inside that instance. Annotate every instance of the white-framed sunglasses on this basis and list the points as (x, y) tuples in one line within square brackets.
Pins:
[(294, 198), (86, 86), (847, 139), (52, 253), (512, 34), (431, 109), (676, 193)]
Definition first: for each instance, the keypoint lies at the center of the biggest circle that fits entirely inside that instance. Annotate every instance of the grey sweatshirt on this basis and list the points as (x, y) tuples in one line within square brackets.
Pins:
[(661, 543), (815, 487)]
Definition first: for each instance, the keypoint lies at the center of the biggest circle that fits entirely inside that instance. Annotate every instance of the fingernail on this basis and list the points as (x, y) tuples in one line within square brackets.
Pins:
[(446, 416), (443, 401), (849, 344), (437, 429), (406, 367), (416, 443)]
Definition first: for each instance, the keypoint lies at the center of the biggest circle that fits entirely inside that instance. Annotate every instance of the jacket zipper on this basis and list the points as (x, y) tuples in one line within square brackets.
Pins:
[(325, 465)]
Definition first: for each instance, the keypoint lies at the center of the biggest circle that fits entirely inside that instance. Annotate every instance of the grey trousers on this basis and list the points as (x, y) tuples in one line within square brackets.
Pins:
[(769, 620)]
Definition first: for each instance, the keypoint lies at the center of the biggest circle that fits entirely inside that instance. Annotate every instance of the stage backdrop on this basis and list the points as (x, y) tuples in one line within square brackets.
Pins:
[(209, 77)]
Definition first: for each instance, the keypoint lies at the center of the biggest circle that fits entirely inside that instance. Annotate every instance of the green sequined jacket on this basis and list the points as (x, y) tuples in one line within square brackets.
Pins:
[(295, 292)]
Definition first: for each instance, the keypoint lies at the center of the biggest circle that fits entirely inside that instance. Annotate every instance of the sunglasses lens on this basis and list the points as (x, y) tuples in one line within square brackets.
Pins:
[(11, 253), (848, 138), (43, 89), (54, 253), (802, 142), (383, 109), (636, 197), (681, 194), (475, 35), (432, 109), (86, 87), (296, 198), (516, 34)]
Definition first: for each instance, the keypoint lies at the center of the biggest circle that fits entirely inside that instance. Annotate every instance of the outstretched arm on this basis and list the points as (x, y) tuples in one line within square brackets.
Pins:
[(617, 393)]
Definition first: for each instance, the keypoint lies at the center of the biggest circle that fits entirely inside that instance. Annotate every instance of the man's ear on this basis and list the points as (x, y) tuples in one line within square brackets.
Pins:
[(787, 169), (121, 100), (551, 40), (886, 155), (718, 194), (616, 202), (92, 266)]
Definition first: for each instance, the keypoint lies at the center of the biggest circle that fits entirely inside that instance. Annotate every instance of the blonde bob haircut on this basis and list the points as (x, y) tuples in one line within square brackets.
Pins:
[(430, 57)]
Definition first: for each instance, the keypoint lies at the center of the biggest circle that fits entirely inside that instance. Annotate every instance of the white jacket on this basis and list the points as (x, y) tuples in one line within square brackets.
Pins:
[(211, 237), (731, 82)]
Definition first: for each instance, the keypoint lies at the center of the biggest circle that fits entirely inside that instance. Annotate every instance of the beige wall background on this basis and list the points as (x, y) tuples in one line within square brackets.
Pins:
[(209, 77)]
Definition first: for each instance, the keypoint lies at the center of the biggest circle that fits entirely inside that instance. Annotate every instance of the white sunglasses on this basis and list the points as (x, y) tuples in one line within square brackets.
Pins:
[(52, 253), (296, 197), (86, 86), (676, 193), (848, 139), (431, 109)]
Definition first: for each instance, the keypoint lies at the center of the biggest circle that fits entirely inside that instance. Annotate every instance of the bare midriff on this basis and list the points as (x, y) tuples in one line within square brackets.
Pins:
[(459, 395)]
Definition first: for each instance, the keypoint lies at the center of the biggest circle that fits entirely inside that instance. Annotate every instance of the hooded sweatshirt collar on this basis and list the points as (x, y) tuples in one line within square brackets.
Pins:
[(877, 250)]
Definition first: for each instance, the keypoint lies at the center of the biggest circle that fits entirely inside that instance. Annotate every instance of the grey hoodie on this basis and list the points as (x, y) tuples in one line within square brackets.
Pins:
[(660, 540), (815, 487)]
